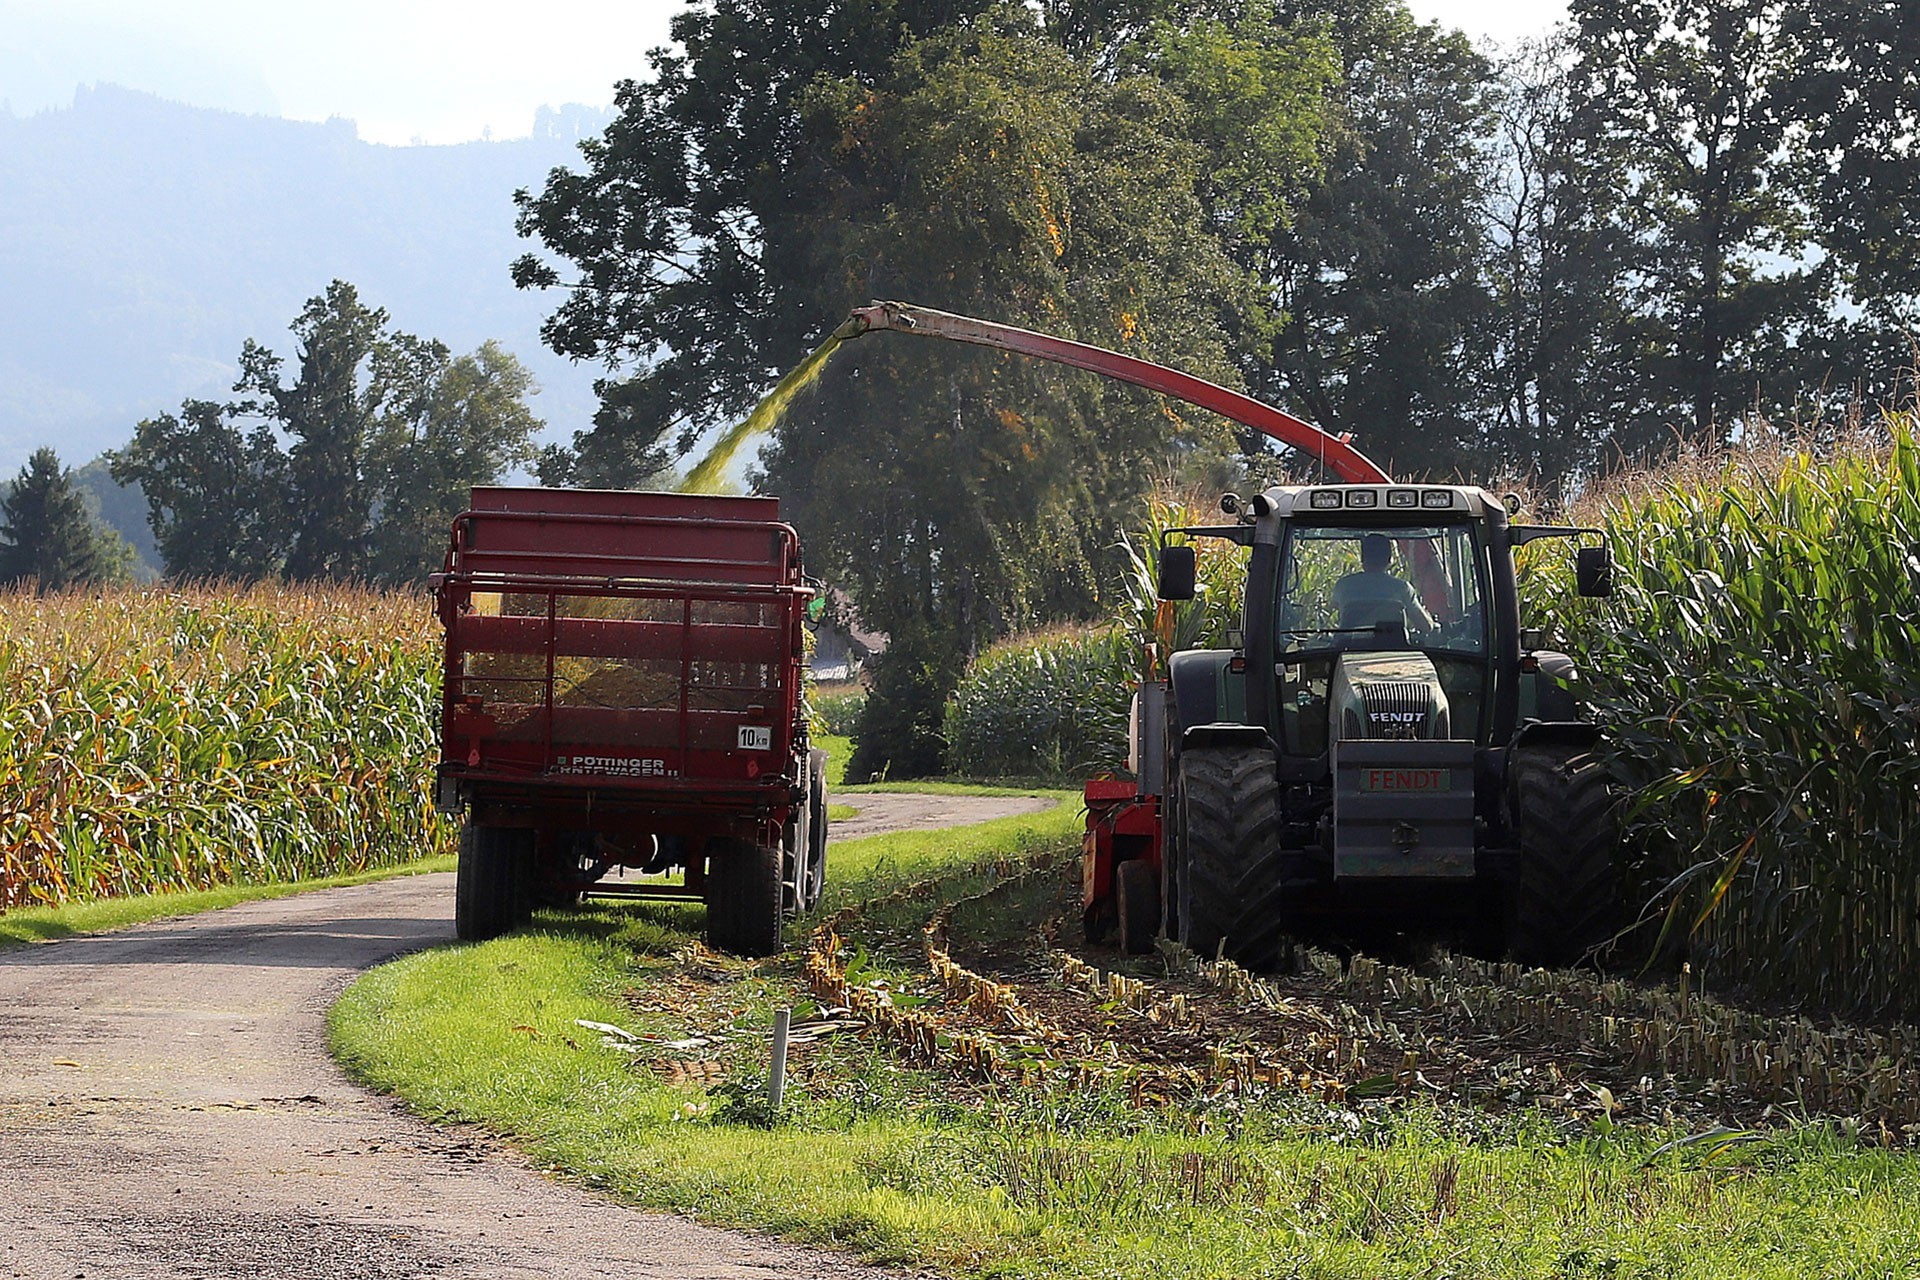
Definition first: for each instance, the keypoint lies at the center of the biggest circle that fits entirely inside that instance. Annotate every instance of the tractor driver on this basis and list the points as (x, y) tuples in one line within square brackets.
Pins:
[(1374, 595)]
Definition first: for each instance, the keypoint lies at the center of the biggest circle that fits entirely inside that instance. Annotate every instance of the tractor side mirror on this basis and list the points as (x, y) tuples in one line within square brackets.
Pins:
[(1176, 573), (1593, 571)]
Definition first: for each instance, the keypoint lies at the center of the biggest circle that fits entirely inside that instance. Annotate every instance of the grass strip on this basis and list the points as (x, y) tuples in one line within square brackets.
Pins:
[(26, 925), (839, 750)]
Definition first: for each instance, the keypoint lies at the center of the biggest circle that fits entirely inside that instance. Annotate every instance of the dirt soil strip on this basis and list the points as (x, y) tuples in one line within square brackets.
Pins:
[(168, 1108)]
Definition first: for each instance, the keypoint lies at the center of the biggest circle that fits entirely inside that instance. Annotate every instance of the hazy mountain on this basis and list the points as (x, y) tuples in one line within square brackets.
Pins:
[(141, 242)]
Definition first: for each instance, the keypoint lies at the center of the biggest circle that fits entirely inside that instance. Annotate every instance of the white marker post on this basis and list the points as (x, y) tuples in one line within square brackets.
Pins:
[(777, 1078)]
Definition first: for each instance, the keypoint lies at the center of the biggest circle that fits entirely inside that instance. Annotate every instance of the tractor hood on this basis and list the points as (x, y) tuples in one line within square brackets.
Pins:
[(1387, 696)]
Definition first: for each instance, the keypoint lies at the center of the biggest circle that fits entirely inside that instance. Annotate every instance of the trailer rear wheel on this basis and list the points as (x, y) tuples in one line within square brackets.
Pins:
[(815, 877), (1230, 877), (1136, 895), (494, 882), (1567, 895), (745, 891)]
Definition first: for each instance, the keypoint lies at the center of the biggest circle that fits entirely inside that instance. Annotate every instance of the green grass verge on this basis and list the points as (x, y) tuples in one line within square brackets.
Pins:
[(48, 924), (839, 750), (906, 1166)]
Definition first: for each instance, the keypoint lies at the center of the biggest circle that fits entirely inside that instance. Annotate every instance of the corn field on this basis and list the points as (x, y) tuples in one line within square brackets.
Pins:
[(1759, 673), (1054, 703), (156, 739)]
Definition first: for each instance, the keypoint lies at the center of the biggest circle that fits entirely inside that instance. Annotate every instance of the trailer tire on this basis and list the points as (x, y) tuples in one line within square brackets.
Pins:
[(745, 895), (1231, 866), (815, 877), (493, 886), (1136, 896), (1566, 896)]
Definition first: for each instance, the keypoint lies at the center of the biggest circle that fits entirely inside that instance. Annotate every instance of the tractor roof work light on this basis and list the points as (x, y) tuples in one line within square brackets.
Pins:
[(1326, 500), (1363, 498), (1437, 499)]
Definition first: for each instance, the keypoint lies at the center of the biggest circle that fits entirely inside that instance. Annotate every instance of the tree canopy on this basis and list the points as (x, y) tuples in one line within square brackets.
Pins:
[(1673, 217), (353, 468), (47, 536)]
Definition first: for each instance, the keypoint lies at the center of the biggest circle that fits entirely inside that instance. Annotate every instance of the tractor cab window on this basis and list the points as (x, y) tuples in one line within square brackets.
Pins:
[(1403, 588)]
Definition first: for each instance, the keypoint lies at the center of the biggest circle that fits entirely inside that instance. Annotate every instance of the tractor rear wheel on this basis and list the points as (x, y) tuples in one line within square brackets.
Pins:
[(1229, 841), (1567, 895), (745, 891), (1136, 895), (493, 888)]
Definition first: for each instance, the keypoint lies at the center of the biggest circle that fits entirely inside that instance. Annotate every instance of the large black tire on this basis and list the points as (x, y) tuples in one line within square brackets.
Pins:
[(1229, 880), (1566, 897), (1136, 896), (494, 883), (745, 897), (815, 879)]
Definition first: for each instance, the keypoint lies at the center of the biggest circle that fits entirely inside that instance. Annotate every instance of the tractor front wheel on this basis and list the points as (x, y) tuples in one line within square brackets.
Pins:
[(1566, 898), (1229, 847)]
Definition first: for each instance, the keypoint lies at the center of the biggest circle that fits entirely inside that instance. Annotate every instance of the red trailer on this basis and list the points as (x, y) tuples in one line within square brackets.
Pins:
[(621, 709)]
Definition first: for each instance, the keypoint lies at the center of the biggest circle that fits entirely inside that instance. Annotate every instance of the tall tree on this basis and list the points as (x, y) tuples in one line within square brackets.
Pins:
[(329, 411), (217, 495), (445, 424), (47, 536), (964, 494), (354, 469), (688, 220), (1559, 368), (1687, 110), (1857, 90), (978, 166), (1381, 313)]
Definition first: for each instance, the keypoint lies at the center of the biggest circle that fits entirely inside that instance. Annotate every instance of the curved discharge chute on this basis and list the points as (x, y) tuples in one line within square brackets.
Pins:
[(1334, 452), (1331, 451)]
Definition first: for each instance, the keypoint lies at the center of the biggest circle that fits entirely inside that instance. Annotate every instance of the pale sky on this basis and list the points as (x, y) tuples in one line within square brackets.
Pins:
[(404, 70)]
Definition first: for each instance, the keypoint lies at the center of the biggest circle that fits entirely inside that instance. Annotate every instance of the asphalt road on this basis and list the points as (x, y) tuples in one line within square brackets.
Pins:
[(168, 1108)]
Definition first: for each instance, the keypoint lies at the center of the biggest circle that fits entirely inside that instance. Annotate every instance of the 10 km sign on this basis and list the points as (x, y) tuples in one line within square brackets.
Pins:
[(1406, 780)]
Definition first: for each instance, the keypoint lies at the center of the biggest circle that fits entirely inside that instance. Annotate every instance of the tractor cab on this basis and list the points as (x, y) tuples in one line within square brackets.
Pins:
[(1379, 631), (1370, 666)]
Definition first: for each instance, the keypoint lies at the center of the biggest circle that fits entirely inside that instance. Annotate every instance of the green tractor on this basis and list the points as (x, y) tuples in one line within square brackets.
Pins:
[(1382, 744)]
